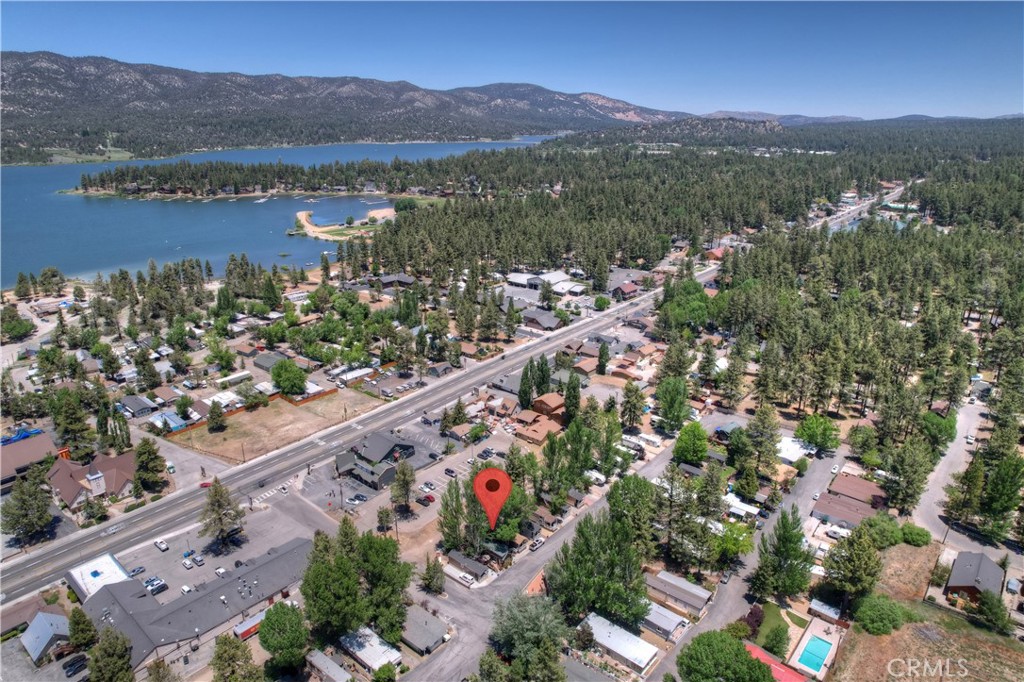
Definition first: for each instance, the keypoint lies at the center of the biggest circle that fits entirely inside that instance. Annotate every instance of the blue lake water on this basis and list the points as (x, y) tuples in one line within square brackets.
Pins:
[(84, 235)]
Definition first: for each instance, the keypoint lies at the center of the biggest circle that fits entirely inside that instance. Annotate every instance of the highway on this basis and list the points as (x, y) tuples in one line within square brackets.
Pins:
[(37, 569)]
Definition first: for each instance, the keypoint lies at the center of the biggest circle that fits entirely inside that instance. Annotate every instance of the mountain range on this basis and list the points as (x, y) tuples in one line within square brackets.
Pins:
[(86, 104)]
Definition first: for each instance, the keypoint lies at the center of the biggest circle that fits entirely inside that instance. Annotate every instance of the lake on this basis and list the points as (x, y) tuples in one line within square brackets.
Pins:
[(84, 235)]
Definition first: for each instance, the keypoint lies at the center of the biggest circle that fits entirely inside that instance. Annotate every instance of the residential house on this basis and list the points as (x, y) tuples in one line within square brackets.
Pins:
[(440, 369), (626, 291), (266, 361), (587, 367), (373, 460), (972, 574), (546, 519), (166, 395), (526, 417), (841, 511), (467, 565), (541, 320), (622, 645), (548, 404), (503, 407), (45, 630), (167, 420), (369, 650), (663, 622), (166, 631), (73, 483), (460, 432), (137, 406), (859, 489), (322, 668), (396, 280), (18, 457), (538, 431), (423, 632), (469, 350), (677, 593)]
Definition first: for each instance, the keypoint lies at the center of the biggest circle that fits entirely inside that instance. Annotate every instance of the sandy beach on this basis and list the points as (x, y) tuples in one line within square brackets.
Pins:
[(322, 231)]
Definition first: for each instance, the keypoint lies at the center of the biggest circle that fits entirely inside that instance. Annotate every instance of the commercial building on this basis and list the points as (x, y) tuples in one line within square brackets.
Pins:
[(18, 457), (373, 459), (171, 631), (621, 645), (45, 630), (89, 578)]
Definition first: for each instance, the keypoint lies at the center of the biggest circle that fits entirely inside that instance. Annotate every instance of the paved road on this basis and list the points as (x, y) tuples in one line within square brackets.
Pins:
[(42, 567)]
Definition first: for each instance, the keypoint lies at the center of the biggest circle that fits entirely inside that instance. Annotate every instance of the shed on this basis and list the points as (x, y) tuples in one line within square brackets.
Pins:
[(826, 612), (45, 630), (423, 632)]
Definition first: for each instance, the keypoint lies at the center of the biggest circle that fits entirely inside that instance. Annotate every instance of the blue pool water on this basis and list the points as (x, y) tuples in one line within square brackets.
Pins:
[(814, 654)]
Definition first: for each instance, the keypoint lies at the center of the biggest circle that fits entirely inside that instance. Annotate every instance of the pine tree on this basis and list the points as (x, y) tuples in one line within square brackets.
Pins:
[(512, 321), (26, 512), (572, 398), (853, 564), (541, 375), (526, 383), (232, 661), (215, 419), (221, 514), (433, 576), (451, 516), (603, 356), (82, 633), (149, 465), (633, 403), (111, 659)]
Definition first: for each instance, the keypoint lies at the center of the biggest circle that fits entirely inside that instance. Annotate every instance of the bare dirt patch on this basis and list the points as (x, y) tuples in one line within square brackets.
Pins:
[(251, 434), (906, 570), (944, 638)]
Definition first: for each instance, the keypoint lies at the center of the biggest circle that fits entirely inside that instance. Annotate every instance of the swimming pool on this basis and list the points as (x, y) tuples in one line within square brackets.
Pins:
[(815, 652)]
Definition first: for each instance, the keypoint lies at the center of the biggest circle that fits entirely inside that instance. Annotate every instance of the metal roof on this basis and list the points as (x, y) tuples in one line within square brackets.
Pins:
[(45, 627), (624, 644)]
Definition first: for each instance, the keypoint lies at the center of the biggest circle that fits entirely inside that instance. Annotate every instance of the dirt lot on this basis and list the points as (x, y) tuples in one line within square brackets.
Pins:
[(938, 638), (906, 570), (268, 428), (986, 657)]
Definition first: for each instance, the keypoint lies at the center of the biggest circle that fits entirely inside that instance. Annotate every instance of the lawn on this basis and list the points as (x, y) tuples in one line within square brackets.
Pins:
[(772, 618), (797, 620)]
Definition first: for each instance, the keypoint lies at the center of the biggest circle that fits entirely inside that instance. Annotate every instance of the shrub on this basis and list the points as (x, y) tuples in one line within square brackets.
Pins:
[(878, 614), (134, 505), (915, 535), (738, 629), (51, 598), (155, 498), (754, 618), (940, 574), (883, 530), (801, 466), (931, 598), (72, 597), (777, 641)]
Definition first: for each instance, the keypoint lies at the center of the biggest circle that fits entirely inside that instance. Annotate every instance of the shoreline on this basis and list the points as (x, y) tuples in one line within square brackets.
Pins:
[(487, 140), (362, 227)]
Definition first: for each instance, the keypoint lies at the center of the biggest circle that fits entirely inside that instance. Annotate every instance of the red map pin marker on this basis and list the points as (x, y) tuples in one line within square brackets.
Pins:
[(492, 488)]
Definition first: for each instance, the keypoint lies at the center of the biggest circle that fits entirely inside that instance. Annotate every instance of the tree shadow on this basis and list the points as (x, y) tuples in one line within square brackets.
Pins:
[(223, 548)]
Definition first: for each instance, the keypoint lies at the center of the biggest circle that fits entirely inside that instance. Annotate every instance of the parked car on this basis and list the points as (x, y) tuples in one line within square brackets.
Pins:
[(726, 577), (429, 485), (352, 501), (536, 544), (471, 461), (815, 495), (283, 489), (158, 588), (185, 589), (430, 498), (151, 580), (450, 472), (423, 488), (161, 545), (361, 497), (436, 456), (198, 560), (970, 438), (467, 578), (759, 525), (422, 499), (187, 563), (764, 513), (485, 456), (835, 469), (220, 571), (205, 484), (972, 400), (74, 660), (76, 668), (170, 467)]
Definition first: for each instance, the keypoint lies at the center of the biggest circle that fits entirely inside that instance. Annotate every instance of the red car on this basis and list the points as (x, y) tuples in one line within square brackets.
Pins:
[(205, 484), (430, 498)]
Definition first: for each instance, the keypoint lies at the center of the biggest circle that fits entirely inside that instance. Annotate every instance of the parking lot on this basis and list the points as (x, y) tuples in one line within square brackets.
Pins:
[(277, 516), (18, 667)]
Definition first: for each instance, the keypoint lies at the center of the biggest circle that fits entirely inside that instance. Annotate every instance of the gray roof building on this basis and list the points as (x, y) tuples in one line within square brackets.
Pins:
[(152, 627), (675, 591), (266, 361), (138, 405), (45, 630), (622, 645), (324, 668), (974, 573), (423, 632), (540, 319), (470, 566), (369, 650)]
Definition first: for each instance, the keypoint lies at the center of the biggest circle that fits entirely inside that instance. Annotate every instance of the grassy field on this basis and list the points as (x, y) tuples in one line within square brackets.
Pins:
[(772, 619), (938, 637), (68, 156)]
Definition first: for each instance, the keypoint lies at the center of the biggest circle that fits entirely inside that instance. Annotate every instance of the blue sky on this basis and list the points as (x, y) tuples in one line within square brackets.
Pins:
[(873, 59)]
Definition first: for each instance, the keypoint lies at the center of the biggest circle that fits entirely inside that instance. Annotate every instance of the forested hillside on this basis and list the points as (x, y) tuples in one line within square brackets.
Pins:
[(84, 104)]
